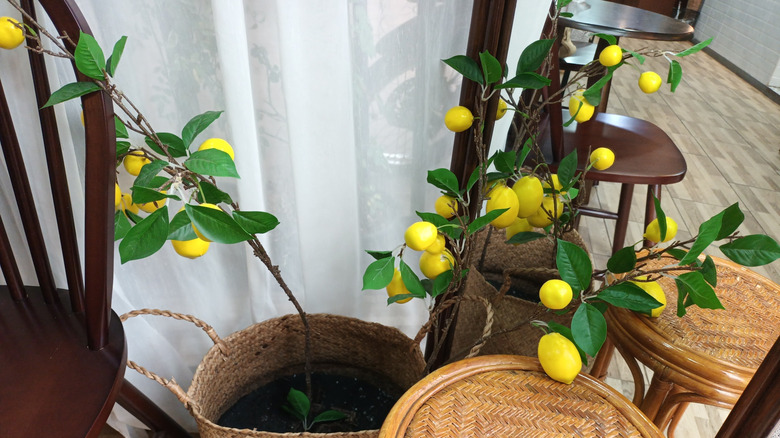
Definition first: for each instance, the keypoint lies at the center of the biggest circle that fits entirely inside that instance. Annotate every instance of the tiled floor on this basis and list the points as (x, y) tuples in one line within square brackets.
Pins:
[(729, 134)]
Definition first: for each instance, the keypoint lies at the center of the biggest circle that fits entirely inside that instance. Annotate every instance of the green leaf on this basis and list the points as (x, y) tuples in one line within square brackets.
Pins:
[(567, 169), (196, 125), (211, 162), (120, 128), (329, 415), (624, 260), (148, 172), (210, 193), (608, 38), (562, 3), (589, 329), (708, 231), (142, 195), (116, 54), (70, 91), (528, 81), (474, 177), (752, 250), (180, 227), (731, 219), (505, 161), (378, 255), (255, 222), (443, 179), (299, 403), (89, 57), (682, 297), (676, 253), (441, 283), (122, 148), (700, 291), (399, 297), (146, 237), (695, 48), (171, 141), (533, 56), (467, 67), (433, 218), (675, 74), (568, 15), (379, 273), (630, 296), (593, 93), (482, 221), (121, 225), (524, 152), (525, 237), (411, 281), (491, 68), (216, 225), (709, 271), (574, 266), (661, 216), (636, 55)]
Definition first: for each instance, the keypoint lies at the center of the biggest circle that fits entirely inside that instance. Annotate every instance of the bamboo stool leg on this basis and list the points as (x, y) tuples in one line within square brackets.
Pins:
[(601, 363), (655, 397)]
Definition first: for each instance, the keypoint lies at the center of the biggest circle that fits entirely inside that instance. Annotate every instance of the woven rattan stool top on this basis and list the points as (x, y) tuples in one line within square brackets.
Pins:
[(708, 356), (510, 396)]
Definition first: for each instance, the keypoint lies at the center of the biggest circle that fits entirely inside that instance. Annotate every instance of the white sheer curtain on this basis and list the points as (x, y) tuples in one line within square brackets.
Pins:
[(335, 113)]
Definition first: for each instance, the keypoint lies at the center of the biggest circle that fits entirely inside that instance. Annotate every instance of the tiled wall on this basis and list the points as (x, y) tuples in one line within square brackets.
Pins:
[(747, 33)]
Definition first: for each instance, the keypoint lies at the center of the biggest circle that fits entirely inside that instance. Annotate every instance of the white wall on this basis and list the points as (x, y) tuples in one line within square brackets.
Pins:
[(746, 32)]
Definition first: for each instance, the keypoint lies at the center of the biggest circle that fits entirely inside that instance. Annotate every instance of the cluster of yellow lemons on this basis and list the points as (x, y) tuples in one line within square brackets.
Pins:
[(133, 162)]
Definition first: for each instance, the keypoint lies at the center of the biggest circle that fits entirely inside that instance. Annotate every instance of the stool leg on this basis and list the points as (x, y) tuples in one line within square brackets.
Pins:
[(655, 397), (602, 360), (650, 208), (676, 416), (621, 224)]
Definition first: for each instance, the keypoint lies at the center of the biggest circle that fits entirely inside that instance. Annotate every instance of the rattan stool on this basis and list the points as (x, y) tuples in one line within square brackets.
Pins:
[(510, 396), (707, 356)]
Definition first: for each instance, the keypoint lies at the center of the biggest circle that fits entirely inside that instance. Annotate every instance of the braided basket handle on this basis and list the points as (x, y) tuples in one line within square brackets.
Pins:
[(171, 384)]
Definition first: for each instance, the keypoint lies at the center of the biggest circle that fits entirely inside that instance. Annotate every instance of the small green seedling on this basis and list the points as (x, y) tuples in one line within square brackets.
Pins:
[(298, 405)]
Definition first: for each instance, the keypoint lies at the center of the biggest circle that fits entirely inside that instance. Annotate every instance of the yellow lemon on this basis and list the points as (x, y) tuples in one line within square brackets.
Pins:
[(611, 55), (397, 287), (556, 183), (134, 161), (555, 294), (151, 207), (653, 230), (117, 196), (219, 144), (10, 35), (502, 107), (420, 235), (650, 82), (654, 290), (518, 226), (446, 206), (559, 357), (212, 206), (431, 265), (126, 204), (458, 119), (543, 216), (191, 249), (502, 196), (437, 246), (529, 193), (579, 105), (602, 158)]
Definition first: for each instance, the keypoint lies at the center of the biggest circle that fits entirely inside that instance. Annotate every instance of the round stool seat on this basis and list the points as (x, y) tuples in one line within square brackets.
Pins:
[(510, 396), (709, 355)]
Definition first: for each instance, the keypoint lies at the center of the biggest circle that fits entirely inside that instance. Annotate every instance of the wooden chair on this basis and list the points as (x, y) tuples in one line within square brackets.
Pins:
[(510, 396), (644, 154), (62, 349)]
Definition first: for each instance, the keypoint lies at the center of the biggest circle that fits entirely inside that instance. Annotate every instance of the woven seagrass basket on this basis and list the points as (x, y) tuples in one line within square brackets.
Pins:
[(506, 268), (263, 352)]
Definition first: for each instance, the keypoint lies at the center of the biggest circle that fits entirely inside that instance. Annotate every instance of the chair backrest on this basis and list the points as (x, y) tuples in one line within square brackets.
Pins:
[(93, 296)]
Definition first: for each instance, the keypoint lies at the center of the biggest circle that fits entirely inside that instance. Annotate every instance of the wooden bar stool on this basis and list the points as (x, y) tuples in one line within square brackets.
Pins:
[(707, 356), (510, 396)]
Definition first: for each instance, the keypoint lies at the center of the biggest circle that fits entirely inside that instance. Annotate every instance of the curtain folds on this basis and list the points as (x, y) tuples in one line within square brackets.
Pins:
[(335, 113)]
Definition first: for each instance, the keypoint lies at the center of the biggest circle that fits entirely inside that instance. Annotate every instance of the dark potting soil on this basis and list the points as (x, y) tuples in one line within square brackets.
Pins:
[(365, 404)]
